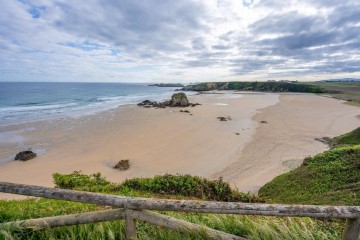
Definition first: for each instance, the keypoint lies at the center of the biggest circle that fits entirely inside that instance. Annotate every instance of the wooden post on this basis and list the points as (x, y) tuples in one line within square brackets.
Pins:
[(130, 225), (352, 229)]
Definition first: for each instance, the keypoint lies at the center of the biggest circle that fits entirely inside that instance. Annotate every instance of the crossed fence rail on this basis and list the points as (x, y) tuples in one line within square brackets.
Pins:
[(133, 209)]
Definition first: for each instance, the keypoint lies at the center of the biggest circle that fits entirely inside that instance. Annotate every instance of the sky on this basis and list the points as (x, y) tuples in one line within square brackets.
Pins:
[(178, 41)]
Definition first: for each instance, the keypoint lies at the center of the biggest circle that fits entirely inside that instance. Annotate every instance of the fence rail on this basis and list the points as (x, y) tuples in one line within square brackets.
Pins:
[(136, 209)]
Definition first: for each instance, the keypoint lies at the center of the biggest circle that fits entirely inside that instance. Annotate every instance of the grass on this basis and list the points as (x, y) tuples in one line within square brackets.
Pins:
[(247, 226), (348, 91), (351, 138), (252, 227), (329, 178), (168, 186)]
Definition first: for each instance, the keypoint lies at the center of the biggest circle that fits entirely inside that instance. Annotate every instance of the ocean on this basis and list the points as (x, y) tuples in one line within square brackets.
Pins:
[(23, 102)]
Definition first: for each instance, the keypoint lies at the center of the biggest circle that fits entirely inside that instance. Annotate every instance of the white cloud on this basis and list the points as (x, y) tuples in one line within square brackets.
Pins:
[(189, 40)]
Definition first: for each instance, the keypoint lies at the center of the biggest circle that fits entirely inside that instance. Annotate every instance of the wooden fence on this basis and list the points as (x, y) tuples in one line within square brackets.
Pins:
[(137, 209)]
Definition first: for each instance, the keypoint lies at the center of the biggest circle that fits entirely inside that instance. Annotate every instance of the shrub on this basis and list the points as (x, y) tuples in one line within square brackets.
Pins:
[(190, 186), (78, 181)]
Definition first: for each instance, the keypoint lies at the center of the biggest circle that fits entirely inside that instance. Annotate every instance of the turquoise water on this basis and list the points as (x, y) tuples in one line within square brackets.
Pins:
[(23, 102)]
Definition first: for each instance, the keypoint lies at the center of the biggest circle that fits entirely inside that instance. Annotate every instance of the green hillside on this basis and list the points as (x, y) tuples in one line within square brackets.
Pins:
[(331, 178), (351, 138), (256, 86)]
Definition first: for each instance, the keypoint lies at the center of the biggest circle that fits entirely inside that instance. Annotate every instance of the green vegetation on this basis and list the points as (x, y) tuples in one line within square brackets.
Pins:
[(257, 86), (179, 186), (255, 228), (331, 178), (348, 91), (190, 186), (171, 186), (351, 138)]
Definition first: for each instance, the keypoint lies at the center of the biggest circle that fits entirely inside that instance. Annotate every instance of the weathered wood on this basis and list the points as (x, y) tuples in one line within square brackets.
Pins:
[(352, 229), (69, 220), (130, 225), (185, 205), (181, 225)]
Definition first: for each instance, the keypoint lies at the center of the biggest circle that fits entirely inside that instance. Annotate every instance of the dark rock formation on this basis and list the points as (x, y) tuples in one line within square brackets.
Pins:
[(25, 155), (263, 121), (167, 85), (122, 165), (325, 140), (185, 111), (224, 119), (179, 100)]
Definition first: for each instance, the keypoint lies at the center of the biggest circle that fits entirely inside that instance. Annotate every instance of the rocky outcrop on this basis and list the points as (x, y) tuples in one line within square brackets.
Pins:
[(25, 155), (224, 119), (177, 100), (167, 85), (122, 165)]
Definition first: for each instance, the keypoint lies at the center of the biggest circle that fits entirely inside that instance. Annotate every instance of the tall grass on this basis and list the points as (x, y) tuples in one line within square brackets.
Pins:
[(251, 227), (183, 186)]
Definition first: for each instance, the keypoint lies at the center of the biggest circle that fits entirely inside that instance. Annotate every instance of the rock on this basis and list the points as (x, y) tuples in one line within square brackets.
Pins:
[(25, 155), (179, 100), (167, 85), (224, 119), (237, 133), (325, 140), (146, 103), (194, 104), (122, 165), (263, 122), (185, 111)]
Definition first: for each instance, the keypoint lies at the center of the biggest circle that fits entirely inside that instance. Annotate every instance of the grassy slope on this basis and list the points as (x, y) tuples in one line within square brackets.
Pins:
[(351, 138), (332, 177)]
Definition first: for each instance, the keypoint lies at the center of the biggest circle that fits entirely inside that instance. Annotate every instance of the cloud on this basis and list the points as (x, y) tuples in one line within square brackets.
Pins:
[(143, 41)]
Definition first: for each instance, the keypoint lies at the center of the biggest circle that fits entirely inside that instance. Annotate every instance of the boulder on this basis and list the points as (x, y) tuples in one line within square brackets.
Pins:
[(179, 100), (224, 119), (122, 165), (146, 103), (25, 155)]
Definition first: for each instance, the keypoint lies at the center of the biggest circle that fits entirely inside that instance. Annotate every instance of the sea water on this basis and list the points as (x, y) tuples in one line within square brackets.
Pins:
[(23, 102)]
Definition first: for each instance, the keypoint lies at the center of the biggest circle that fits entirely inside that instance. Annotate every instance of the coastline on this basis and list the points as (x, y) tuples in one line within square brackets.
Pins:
[(287, 137), (160, 141)]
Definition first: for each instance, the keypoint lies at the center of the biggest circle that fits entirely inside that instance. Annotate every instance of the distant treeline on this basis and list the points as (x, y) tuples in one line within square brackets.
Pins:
[(256, 86)]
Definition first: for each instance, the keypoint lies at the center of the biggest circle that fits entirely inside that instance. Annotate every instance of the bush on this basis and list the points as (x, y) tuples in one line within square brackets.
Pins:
[(78, 181), (190, 186), (167, 185)]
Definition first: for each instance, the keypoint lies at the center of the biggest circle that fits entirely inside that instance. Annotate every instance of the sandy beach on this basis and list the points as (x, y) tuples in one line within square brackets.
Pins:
[(268, 134)]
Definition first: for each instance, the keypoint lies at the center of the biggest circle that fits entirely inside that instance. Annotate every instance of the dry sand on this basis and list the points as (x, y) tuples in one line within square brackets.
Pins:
[(159, 141)]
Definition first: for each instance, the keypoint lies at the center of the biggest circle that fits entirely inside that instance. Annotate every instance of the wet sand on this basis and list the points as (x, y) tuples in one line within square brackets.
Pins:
[(243, 151)]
